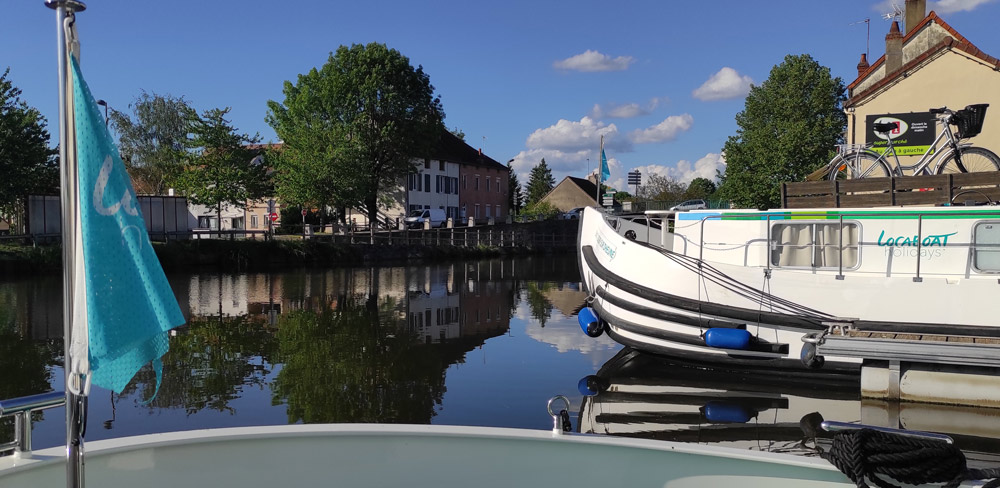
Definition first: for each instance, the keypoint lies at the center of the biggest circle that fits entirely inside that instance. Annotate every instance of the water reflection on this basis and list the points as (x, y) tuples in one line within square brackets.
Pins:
[(330, 345), (638, 395)]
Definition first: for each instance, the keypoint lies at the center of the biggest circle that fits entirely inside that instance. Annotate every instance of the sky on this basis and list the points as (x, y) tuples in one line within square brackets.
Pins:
[(662, 81)]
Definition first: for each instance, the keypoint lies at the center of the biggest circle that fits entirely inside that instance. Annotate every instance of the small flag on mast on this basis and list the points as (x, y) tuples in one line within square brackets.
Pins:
[(124, 305), (605, 171)]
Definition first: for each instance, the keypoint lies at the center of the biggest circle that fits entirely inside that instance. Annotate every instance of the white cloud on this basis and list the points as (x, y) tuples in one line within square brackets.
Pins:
[(726, 84), (573, 136), (625, 110), (594, 61), (667, 130), (951, 6), (684, 171)]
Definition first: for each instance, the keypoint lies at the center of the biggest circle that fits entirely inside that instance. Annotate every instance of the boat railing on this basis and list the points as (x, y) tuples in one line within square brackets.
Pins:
[(850, 217), (21, 409)]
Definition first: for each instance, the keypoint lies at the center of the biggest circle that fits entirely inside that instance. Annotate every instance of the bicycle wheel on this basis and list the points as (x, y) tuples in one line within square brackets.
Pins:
[(859, 165), (974, 160)]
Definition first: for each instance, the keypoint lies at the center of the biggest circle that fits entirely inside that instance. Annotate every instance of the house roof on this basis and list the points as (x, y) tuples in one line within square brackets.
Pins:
[(956, 41), (452, 148), (586, 186)]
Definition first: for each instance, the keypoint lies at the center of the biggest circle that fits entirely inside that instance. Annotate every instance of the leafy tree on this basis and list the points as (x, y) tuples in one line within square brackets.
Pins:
[(152, 140), (540, 182), (700, 188), (28, 164), (662, 188), (357, 124), (787, 129), (222, 166), (459, 133), (515, 199), (540, 211)]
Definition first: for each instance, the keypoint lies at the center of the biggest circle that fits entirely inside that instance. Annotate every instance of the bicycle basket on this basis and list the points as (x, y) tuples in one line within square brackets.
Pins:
[(970, 120)]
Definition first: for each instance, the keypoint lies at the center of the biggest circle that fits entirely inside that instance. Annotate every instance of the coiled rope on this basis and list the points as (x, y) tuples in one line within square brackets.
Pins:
[(867, 454)]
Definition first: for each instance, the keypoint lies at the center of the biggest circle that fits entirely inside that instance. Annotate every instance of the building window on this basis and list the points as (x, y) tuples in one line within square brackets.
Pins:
[(427, 163), (487, 183), (207, 222), (454, 185), (253, 221), (441, 165), (488, 209), (477, 183), (497, 210), (498, 184), (814, 245), (437, 184), (477, 211), (427, 183), (420, 186), (465, 184), (463, 211)]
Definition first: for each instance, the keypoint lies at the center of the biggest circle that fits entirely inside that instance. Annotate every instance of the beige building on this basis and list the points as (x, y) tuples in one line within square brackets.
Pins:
[(571, 193), (927, 65)]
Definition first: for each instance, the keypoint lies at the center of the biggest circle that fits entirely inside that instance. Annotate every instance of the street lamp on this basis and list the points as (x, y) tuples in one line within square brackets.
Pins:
[(105, 105)]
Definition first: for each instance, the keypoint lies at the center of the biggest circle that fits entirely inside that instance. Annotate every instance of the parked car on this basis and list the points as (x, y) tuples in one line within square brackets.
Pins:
[(573, 213), (417, 218), (690, 205)]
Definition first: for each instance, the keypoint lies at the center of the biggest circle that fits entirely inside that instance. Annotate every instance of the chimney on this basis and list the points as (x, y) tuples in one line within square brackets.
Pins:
[(893, 49), (863, 65), (915, 11)]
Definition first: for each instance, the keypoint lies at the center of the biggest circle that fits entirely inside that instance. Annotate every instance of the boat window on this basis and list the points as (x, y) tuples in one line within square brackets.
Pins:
[(986, 247), (814, 245)]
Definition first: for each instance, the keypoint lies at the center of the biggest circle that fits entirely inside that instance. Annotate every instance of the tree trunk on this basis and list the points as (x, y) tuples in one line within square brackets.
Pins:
[(371, 206)]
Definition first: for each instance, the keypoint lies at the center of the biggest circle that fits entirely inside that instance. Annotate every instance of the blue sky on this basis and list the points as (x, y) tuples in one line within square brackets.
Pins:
[(661, 80)]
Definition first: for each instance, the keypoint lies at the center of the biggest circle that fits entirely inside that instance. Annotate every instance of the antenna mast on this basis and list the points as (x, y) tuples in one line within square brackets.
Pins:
[(868, 34)]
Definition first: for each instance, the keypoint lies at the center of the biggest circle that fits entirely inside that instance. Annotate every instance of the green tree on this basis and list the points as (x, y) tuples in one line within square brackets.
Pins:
[(700, 188), (27, 163), (363, 118), (540, 182), (788, 128), (515, 198), (662, 188), (222, 166), (152, 140), (459, 133)]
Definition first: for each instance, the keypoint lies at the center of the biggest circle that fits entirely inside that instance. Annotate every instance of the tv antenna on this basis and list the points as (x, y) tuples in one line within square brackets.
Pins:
[(896, 14), (868, 34)]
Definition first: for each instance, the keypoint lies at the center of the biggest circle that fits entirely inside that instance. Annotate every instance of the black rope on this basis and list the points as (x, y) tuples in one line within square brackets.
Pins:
[(871, 455)]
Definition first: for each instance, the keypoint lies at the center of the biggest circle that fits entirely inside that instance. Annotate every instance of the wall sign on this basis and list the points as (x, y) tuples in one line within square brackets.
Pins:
[(914, 133)]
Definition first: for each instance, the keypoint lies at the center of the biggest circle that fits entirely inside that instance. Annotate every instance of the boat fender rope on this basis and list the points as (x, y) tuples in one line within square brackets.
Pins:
[(567, 426), (867, 454)]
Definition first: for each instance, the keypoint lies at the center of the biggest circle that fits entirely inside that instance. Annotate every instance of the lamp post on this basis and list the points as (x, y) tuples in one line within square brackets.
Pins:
[(513, 196), (105, 105)]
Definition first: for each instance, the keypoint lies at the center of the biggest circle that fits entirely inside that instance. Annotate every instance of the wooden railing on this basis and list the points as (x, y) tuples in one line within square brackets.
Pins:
[(956, 189)]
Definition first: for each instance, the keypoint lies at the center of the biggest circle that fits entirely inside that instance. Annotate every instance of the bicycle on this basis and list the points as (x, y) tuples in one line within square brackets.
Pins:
[(946, 152)]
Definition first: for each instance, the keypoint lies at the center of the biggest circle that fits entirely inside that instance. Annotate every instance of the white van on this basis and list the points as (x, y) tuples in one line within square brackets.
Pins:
[(417, 218)]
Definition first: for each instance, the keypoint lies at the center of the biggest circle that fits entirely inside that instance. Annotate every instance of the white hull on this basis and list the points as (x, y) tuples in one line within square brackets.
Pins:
[(412, 455), (662, 295)]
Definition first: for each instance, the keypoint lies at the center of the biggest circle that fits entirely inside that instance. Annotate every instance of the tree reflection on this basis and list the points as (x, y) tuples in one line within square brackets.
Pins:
[(538, 305), (210, 362), (358, 363), (26, 363)]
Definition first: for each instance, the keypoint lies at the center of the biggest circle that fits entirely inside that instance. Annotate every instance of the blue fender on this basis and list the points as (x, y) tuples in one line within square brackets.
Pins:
[(727, 338), (589, 322)]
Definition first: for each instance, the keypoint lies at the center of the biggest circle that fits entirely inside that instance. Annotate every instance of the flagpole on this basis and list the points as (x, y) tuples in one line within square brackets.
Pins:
[(600, 172), (75, 404)]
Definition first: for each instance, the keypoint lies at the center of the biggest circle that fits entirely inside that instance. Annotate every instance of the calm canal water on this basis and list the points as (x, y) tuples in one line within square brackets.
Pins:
[(465, 343)]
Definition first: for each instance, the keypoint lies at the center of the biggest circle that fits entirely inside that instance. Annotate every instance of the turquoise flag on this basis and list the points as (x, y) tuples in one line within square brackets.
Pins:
[(605, 171), (129, 304)]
